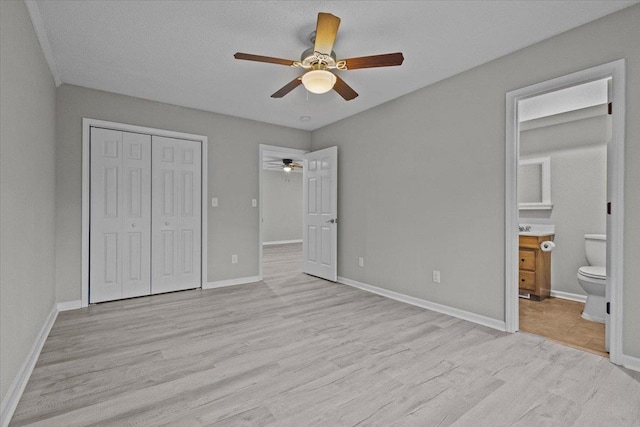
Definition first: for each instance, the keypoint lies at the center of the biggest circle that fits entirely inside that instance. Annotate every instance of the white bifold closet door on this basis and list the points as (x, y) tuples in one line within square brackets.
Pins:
[(145, 215), (120, 215), (176, 225)]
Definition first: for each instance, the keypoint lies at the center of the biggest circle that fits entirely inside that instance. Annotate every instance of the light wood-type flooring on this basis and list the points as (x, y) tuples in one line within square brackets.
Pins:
[(561, 320), (298, 351)]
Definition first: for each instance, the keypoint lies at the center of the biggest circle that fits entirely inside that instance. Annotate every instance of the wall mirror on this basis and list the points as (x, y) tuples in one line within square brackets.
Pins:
[(534, 184)]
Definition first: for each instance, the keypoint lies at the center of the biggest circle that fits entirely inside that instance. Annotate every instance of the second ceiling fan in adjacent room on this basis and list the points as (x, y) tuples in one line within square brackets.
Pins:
[(320, 59)]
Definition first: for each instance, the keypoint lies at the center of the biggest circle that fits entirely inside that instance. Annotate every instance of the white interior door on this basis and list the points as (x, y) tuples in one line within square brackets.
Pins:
[(610, 189), (320, 214), (176, 221), (120, 215)]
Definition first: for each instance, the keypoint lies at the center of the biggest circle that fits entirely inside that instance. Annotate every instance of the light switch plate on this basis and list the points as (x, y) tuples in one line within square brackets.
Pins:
[(254, 203), (436, 276), (214, 202), (360, 262)]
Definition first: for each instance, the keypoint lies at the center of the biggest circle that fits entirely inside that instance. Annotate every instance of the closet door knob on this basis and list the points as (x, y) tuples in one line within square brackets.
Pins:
[(166, 223)]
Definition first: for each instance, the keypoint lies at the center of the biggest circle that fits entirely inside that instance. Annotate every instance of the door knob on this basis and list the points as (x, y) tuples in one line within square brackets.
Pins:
[(332, 221), (166, 223)]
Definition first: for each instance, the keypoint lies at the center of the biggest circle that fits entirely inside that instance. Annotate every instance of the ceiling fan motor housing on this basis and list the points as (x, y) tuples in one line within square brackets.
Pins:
[(311, 58)]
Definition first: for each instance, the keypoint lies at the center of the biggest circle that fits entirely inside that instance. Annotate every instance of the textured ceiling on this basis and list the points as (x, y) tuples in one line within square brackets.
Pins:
[(181, 52)]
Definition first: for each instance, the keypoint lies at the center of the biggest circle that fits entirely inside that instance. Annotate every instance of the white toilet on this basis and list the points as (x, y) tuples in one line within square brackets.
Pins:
[(593, 277)]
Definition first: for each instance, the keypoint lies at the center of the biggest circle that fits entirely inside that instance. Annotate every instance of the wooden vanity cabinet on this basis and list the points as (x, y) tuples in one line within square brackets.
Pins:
[(535, 267)]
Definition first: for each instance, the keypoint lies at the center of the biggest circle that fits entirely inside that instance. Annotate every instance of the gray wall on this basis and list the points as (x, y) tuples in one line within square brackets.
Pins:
[(281, 206), (442, 206), (578, 154), (27, 189), (233, 176)]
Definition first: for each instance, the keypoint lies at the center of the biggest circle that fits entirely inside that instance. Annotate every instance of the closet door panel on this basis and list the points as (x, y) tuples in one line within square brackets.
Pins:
[(119, 215), (136, 251), (106, 202), (176, 167), (190, 213)]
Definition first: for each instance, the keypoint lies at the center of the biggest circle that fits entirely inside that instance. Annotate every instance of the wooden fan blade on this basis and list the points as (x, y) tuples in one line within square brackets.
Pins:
[(386, 60), (287, 88), (344, 90), (260, 58), (326, 30)]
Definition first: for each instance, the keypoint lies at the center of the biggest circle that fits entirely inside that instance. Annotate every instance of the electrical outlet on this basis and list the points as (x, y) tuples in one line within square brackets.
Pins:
[(214, 202), (436, 276), (234, 259), (360, 262)]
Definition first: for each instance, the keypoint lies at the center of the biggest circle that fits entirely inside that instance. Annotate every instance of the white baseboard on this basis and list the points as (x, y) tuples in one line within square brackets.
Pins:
[(281, 242), (69, 305), (569, 296), (440, 308), (10, 401), (630, 362), (231, 282)]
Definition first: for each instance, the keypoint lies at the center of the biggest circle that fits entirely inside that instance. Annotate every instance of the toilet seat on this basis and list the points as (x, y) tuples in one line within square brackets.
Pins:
[(593, 272)]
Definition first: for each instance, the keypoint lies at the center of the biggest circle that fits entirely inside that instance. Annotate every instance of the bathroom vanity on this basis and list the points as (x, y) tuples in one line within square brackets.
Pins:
[(535, 266)]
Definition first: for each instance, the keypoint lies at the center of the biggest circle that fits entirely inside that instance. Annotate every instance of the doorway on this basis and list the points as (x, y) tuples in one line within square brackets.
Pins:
[(562, 177), (280, 205), (319, 205), (524, 268)]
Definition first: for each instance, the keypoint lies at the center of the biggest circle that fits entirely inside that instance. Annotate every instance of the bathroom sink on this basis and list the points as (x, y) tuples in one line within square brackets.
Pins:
[(536, 229)]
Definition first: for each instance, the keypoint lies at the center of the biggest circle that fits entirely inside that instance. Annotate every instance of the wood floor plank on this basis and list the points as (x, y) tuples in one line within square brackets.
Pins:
[(295, 350), (561, 320)]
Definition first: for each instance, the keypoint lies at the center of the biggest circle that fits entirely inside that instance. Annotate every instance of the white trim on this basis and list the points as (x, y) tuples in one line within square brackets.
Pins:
[(204, 215), (569, 296), (418, 302), (281, 242), (69, 305), (630, 362), (87, 123), (41, 34), (535, 206), (615, 184), (11, 399), (262, 149), (231, 282)]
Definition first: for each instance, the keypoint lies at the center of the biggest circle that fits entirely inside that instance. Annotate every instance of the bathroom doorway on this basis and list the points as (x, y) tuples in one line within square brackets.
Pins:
[(564, 168)]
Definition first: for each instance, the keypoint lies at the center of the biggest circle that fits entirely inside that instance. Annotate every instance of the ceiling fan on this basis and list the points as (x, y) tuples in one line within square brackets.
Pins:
[(287, 165), (320, 59)]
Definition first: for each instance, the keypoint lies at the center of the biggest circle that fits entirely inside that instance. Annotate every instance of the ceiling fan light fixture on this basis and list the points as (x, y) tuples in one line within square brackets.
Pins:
[(318, 81), (287, 168)]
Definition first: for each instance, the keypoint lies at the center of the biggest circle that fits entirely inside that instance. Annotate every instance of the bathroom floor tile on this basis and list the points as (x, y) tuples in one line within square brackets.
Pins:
[(561, 320)]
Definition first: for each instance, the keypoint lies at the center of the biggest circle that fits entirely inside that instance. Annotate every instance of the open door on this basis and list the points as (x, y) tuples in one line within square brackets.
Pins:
[(320, 213), (610, 189)]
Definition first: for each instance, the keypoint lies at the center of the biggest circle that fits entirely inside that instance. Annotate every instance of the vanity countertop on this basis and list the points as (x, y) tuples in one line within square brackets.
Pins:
[(535, 233)]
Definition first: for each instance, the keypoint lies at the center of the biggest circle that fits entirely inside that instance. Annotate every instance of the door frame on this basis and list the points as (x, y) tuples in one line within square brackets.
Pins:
[(615, 177), (87, 124), (262, 149)]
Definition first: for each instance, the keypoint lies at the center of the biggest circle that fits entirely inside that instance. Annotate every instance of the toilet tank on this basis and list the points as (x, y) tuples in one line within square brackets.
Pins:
[(595, 247)]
